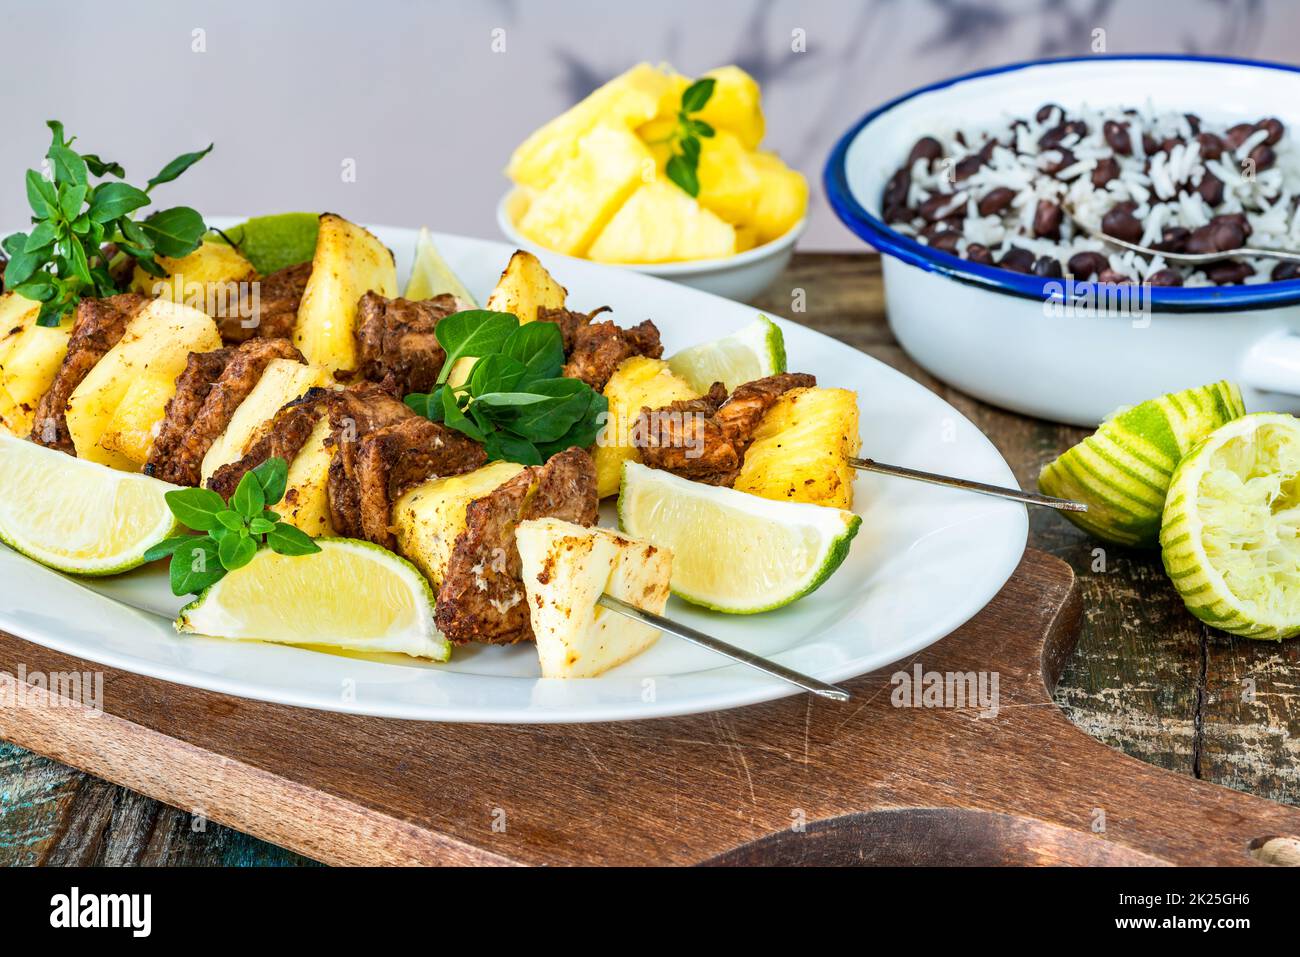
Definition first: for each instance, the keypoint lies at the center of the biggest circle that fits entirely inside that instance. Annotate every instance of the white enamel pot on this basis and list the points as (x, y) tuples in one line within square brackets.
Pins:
[(1044, 347)]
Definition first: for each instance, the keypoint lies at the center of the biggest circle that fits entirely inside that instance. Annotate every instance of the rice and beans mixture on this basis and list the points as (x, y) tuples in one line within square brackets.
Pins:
[(1166, 180)]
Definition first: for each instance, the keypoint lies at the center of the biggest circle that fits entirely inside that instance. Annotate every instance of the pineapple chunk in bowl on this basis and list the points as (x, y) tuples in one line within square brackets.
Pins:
[(739, 276)]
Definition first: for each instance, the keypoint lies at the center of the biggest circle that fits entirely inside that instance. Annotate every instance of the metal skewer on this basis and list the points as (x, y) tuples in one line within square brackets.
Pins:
[(1029, 498), (722, 648)]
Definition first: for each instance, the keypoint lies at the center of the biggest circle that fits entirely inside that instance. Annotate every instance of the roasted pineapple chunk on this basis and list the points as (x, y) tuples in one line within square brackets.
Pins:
[(782, 197), (282, 381), (566, 568), (626, 101), (135, 422), (661, 223), (736, 105), (801, 448), (524, 287), (568, 214), (730, 182), (428, 518), (30, 356), (349, 263), (306, 504), (636, 383), (154, 347), (207, 279)]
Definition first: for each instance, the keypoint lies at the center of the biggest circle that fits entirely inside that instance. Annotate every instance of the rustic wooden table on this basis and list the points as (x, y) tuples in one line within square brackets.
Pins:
[(1146, 677)]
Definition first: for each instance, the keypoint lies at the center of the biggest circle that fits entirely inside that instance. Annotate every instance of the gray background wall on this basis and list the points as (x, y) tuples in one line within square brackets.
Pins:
[(413, 93)]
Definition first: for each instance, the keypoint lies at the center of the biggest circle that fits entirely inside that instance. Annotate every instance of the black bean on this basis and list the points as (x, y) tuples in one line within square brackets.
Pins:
[(1047, 220), (1112, 278), (1284, 271), (1194, 122), (1173, 239), (1238, 218), (1166, 277), (1170, 142), (978, 253), (996, 200), (1149, 144), (1229, 273), (945, 240), (939, 206), (968, 167), (1045, 112), (1211, 146), (1216, 237), (1048, 267), (1055, 160), (1211, 189), (1086, 265), (1238, 134), (1117, 137), (894, 201), (1018, 260), (926, 148), (1122, 224), (1263, 156), (1274, 128), (1106, 170)]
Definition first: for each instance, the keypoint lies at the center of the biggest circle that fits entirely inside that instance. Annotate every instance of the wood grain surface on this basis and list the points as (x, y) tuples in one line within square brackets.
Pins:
[(1145, 678), (878, 779)]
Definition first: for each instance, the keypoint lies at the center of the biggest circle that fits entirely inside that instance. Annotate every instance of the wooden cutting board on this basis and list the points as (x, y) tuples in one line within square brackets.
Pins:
[(800, 780)]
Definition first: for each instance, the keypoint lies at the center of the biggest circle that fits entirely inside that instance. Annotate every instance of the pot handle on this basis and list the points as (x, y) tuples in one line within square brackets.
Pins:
[(1273, 364)]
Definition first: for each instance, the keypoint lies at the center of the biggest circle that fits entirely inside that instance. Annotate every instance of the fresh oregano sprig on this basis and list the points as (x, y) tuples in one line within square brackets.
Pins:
[(684, 163), (515, 401), (62, 258), (233, 531)]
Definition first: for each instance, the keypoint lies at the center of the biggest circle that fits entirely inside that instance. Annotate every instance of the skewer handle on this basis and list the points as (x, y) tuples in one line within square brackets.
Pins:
[(723, 648), (1014, 494)]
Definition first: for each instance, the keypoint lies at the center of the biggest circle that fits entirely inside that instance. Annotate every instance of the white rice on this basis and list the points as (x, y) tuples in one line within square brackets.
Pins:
[(1268, 199)]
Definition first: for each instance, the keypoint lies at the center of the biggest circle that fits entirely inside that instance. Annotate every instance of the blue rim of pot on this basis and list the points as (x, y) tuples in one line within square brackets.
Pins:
[(892, 243)]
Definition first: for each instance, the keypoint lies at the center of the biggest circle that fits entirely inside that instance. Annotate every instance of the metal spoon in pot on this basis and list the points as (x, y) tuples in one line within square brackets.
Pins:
[(1186, 259)]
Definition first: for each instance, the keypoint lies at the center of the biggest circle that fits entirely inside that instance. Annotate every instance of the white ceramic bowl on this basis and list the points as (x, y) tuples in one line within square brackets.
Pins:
[(1014, 340), (742, 276)]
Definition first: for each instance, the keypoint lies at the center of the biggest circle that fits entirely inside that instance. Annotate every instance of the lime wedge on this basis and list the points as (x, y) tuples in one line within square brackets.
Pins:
[(1122, 471), (78, 516), (732, 551), (350, 595), (431, 276), (756, 351), (1230, 538), (272, 242)]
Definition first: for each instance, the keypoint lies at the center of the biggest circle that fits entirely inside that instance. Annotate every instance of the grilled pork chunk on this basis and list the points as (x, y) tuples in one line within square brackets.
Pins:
[(396, 343), (191, 423), (279, 296), (705, 439), (482, 594), (595, 349), (282, 437), (96, 327)]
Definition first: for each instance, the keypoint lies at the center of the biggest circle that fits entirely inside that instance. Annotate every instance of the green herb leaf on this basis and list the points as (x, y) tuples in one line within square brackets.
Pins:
[(700, 128), (681, 172), (695, 96), (195, 566), (69, 167), (166, 547), (260, 525), (504, 447), (196, 508), (455, 418), (539, 347), (178, 166), (102, 167), (473, 333), (287, 540), (496, 372), (175, 232), (114, 200), (236, 551), (230, 521), (42, 237), (273, 476), (427, 404), (41, 195), (248, 500)]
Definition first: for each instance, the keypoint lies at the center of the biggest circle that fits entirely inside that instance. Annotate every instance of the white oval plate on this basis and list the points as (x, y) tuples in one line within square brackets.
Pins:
[(925, 561)]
